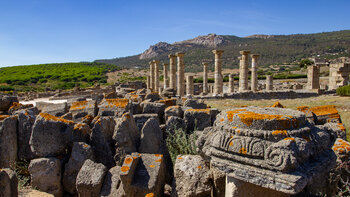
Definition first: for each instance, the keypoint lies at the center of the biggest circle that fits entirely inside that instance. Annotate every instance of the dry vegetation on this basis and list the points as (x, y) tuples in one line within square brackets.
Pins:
[(341, 103)]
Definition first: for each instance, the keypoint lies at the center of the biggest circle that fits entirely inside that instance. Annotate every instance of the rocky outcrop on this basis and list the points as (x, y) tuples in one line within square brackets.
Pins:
[(156, 49)]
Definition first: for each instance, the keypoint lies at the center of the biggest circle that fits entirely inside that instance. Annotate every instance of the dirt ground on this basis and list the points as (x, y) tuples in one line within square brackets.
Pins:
[(342, 104)]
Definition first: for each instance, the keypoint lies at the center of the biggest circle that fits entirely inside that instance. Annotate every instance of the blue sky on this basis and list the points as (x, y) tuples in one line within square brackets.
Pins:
[(48, 31)]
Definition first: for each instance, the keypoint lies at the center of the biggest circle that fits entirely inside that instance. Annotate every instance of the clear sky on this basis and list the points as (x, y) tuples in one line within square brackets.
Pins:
[(48, 31)]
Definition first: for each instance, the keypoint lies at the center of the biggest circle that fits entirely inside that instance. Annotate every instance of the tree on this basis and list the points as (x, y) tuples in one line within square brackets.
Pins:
[(305, 62)]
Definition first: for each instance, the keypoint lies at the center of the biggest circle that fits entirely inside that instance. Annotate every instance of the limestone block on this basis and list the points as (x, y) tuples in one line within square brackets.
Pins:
[(173, 111), (151, 138), (79, 109), (173, 123), (26, 120), (140, 119), (6, 102), (102, 141), (113, 107), (112, 185), (8, 141), (51, 135), (168, 102), (195, 104), (46, 175), (55, 109), (13, 181), (192, 176), (153, 96), (80, 153), (168, 92), (90, 178), (18, 106), (197, 119), (154, 108), (275, 148), (5, 184)]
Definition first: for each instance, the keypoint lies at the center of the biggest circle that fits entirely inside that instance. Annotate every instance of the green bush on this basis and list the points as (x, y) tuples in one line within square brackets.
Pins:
[(180, 143), (6, 88), (343, 91)]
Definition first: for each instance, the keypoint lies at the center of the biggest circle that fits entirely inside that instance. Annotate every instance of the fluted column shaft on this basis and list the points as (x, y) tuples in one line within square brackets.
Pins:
[(254, 77), (231, 81), (218, 84), (189, 85), (180, 75), (205, 78), (165, 74), (172, 76), (156, 75), (243, 71), (148, 82), (151, 74), (269, 82)]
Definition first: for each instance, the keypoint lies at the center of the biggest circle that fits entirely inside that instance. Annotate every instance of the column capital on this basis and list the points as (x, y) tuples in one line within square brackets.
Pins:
[(254, 56), (180, 54), (165, 64), (155, 61), (239, 58), (218, 51), (150, 63), (171, 55), (244, 52), (205, 63)]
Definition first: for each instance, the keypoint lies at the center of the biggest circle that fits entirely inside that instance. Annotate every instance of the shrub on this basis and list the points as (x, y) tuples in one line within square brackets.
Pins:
[(343, 91), (180, 143), (6, 88)]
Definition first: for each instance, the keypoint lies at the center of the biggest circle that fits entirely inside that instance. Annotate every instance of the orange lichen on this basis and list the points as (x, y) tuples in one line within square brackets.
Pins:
[(179, 158), (199, 167), (324, 110), (290, 138), (80, 128), (122, 103), (199, 110), (231, 143), (128, 160), (159, 160), (341, 127), (2, 117), (126, 115), (238, 131), (306, 138), (152, 166), (85, 146), (168, 102), (303, 108), (15, 105), (79, 105), (341, 146), (248, 118), (230, 114), (281, 132), (150, 195), (55, 118), (222, 120), (124, 168), (277, 104), (158, 155), (243, 151)]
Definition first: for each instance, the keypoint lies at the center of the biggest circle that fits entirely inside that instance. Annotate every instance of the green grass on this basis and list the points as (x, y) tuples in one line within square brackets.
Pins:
[(53, 76)]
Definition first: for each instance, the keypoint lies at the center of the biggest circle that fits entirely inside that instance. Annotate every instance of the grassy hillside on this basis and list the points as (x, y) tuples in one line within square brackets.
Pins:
[(273, 50), (53, 76)]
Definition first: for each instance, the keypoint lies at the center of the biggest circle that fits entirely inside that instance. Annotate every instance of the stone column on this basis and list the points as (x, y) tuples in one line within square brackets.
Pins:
[(231, 82), (313, 77), (218, 84), (180, 75), (189, 85), (254, 78), (165, 74), (156, 75), (151, 74), (205, 78), (172, 75), (243, 71), (269, 82), (148, 82)]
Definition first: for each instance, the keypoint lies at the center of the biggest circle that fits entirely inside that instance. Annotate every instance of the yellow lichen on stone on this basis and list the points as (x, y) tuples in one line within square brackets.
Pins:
[(243, 151), (199, 110), (281, 132), (152, 166), (231, 143), (55, 118), (230, 114), (124, 168), (341, 146), (248, 118), (122, 103), (199, 167), (290, 138), (79, 105), (324, 110), (150, 195), (2, 117), (128, 160), (277, 104), (302, 108)]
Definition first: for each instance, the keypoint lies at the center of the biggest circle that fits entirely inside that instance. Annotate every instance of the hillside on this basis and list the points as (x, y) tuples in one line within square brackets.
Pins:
[(53, 76), (274, 49)]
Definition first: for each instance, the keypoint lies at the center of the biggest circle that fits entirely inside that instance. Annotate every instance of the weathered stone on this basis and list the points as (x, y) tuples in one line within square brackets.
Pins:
[(173, 111), (55, 109), (180, 87), (5, 184), (219, 179), (197, 119), (218, 83), (172, 69), (205, 78), (313, 77), (46, 175), (113, 107), (112, 185), (337, 129), (269, 82), (80, 109), (156, 75), (153, 96), (133, 171), (254, 77), (80, 153), (90, 178), (102, 141), (126, 136), (135, 108), (18, 106), (243, 71), (168, 102), (67, 116), (140, 119), (274, 148), (151, 137), (154, 108), (6, 102), (111, 95), (326, 113), (195, 104), (51, 135), (26, 120), (168, 92), (8, 141), (192, 176), (189, 86), (173, 123), (338, 74), (13, 182)]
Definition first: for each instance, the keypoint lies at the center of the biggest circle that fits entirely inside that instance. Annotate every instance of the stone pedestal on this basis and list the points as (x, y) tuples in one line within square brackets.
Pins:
[(205, 78), (231, 83), (269, 83), (165, 74), (189, 85), (218, 84), (156, 75), (313, 77), (338, 74), (172, 76), (243, 71), (254, 77), (151, 74), (180, 74)]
